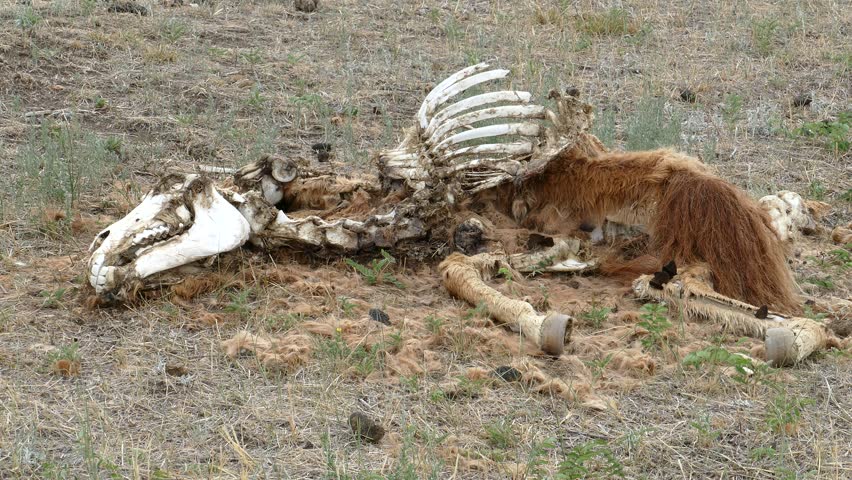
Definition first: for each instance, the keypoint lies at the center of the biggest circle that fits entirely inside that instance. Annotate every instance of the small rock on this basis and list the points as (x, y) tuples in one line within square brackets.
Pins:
[(379, 316), (323, 151), (572, 91), (687, 95), (365, 428), (507, 373), (306, 5), (802, 100)]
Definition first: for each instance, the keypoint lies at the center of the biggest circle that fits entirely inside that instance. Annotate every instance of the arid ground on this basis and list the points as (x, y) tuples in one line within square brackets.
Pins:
[(97, 98)]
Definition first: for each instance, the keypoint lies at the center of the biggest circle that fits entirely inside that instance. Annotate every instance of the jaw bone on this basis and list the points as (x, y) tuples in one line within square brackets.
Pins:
[(182, 220)]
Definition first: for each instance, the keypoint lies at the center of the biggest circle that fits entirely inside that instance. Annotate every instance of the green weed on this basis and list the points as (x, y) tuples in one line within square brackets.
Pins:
[(500, 435), (375, 273), (596, 315), (836, 135), (592, 459), (649, 127), (784, 413), (764, 35), (615, 21), (58, 165), (172, 29), (654, 320), (716, 355)]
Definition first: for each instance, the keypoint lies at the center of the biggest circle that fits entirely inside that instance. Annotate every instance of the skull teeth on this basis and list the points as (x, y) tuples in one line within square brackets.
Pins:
[(100, 276), (160, 231)]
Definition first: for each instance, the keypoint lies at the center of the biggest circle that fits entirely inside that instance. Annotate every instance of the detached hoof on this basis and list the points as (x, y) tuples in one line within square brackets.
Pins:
[(780, 347), (555, 333)]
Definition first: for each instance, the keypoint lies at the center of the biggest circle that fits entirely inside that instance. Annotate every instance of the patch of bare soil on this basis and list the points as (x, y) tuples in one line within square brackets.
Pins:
[(255, 368)]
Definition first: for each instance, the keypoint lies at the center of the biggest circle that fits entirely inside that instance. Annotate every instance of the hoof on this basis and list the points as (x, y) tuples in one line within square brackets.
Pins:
[(555, 333), (780, 347)]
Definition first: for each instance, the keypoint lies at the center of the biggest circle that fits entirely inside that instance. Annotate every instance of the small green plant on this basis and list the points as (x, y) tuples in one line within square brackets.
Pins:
[(434, 324), (654, 320), (69, 352), (27, 19), (252, 57), (784, 413), (815, 316), (537, 461), (824, 283), (615, 21), (764, 34), (596, 315), (847, 196), (733, 105), (841, 257), (762, 453), (99, 102), (347, 307), (341, 356), (172, 29), (113, 145), (53, 298), (715, 355), (255, 97), (500, 435), (240, 303), (592, 459), (57, 165), (649, 126), (481, 311), (411, 383), (816, 190), (282, 322), (706, 434), (376, 272), (835, 134), (598, 367)]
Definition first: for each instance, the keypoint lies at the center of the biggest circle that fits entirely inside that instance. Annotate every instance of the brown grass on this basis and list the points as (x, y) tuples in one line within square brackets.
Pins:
[(192, 100)]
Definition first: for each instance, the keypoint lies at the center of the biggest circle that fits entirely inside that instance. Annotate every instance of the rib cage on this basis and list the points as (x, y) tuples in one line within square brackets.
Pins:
[(451, 144)]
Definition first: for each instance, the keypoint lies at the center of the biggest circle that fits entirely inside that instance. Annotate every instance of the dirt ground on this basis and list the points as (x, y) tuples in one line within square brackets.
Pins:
[(95, 102)]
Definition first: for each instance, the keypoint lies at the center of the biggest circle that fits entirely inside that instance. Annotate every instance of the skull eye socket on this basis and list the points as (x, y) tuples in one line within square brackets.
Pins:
[(103, 235)]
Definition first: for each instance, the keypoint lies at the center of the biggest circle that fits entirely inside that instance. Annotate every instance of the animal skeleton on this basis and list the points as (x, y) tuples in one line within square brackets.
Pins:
[(448, 161)]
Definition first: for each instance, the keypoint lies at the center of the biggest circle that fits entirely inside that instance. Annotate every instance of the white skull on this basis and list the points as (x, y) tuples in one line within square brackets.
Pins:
[(182, 220)]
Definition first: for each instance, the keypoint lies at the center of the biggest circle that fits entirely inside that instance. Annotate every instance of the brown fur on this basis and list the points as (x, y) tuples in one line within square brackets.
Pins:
[(696, 217)]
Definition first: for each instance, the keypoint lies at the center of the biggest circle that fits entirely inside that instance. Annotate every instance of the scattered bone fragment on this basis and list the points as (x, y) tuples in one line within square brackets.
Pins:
[(789, 340)]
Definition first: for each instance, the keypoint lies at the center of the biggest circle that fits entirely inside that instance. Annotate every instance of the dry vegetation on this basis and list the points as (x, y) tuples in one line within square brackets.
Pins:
[(95, 103)]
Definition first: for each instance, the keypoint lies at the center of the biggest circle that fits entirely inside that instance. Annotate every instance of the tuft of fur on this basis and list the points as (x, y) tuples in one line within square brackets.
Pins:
[(695, 216), (701, 218)]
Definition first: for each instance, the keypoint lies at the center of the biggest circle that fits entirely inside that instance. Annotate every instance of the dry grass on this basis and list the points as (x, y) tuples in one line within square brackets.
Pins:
[(154, 396)]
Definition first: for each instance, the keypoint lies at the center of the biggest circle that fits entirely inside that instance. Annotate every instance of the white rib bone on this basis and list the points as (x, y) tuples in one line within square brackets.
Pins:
[(525, 129), (516, 148), (441, 87), (508, 111), (507, 166), (463, 85), (474, 102)]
